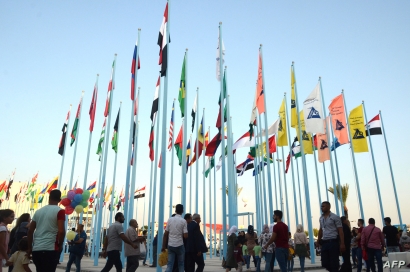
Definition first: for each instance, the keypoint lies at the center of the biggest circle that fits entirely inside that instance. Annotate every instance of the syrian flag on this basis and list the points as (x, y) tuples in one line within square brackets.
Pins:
[(162, 42), (154, 109), (62, 140), (193, 113), (374, 126), (244, 141), (111, 87), (93, 107), (133, 70)]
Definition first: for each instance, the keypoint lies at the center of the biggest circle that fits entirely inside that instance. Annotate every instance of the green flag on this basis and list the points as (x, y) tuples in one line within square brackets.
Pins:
[(100, 143), (114, 141), (209, 165), (75, 127), (181, 95)]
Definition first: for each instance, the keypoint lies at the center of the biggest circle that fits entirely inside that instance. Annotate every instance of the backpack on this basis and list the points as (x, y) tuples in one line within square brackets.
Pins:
[(291, 253)]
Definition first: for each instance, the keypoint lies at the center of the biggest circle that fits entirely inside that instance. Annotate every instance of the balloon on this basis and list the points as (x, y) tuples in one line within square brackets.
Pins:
[(73, 204), (70, 195), (86, 195), (69, 210), (79, 191), (65, 202), (84, 203), (79, 209), (78, 198), (244, 199), (70, 235)]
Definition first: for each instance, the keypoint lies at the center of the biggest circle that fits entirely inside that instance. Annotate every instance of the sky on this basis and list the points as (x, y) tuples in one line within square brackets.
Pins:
[(52, 51)]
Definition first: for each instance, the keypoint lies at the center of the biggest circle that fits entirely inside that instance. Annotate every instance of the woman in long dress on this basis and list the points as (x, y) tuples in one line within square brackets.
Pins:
[(300, 245), (250, 242), (230, 258)]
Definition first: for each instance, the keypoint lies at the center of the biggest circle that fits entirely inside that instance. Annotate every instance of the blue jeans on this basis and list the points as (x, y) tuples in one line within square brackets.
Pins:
[(359, 259), (302, 263), (372, 253), (393, 249), (282, 255), (258, 263), (269, 261), (74, 258), (354, 255), (330, 255), (291, 262), (180, 253), (247, 260)]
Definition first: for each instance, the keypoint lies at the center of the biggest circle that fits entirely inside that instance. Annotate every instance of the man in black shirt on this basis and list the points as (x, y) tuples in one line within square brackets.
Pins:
[(391, 233), (347, 265)]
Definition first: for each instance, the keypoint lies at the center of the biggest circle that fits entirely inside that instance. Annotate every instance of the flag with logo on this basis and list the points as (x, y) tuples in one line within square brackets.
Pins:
[(337, 110), (260, 96), (293, 113), (314, 114), (322, 144), (282, 139), (307, 140), (357, 130)]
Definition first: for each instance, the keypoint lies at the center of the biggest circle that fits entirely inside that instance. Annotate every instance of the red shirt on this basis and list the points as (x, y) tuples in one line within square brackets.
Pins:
[(282, 236), (238, 254)]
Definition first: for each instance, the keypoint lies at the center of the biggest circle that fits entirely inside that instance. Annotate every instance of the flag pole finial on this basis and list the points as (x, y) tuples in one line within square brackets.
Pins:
[(120, 102), (320, 77), (284, 93), (343, 91), (174, 99), (293, 62), (186, 49), (139, 29), (362, 101), (115, 54), (220, 23), (98, 74), (71, 105), (139, 88)]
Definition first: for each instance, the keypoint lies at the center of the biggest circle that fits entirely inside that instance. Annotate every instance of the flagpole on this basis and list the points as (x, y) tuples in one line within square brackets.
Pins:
[(232, 188), (65, 142), (97, 220), (354, 163), (266, 134), (211, 249), (214, 202), (339, 192), (291, 161), (151, 230), (280, 185), (184, 139), (286, 189), (317, 174), (172, 166), (107, 132), (391, 169), (130, 197), (374, 167), (324, 173), (190, 178), (274, 175), (307, 196), (262, 172), (196, 156), (203, 178), (262, 200)]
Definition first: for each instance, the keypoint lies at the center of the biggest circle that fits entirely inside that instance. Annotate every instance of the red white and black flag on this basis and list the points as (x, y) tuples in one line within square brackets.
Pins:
[(93, 107), (374, 126), (62, 140), (162, 42)]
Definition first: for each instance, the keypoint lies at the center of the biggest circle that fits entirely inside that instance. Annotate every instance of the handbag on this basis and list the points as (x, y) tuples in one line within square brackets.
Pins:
[(163, 258), (364, 252)]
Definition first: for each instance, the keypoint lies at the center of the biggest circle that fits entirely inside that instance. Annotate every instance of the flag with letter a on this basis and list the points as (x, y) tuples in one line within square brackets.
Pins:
[(293, 114), (260, 96), (357, 130), (322, 144), (312, 107), (306, 138), (282, 134), (337, 110)]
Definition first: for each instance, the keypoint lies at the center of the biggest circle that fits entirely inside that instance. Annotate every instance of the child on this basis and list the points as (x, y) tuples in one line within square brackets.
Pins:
[(291, 244), (19, 259), (258, 255), (246, 255), (237, 252)]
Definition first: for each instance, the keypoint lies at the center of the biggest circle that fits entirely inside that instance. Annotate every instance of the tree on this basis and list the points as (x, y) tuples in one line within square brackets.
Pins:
[(345, 194), (307, 233), (239, 189), (315, 232)]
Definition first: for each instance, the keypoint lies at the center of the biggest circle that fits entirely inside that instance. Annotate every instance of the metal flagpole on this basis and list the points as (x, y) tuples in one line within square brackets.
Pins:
[(274, 174), (105, 152), (215, 234), (291, 161), (172, 164), (261, 207), (261, 171), (203, 180), (150, 229), (196, 156), (324, 173), (266, 134), (280, 185), (305, 177), (354, 162), (184, 138), (374, 166), (286, 188), (232, 188), (391, 170), (211, 237), (60, 177), (96, 201), (190, 177), (342, 204), (330, 153), (317, 174)]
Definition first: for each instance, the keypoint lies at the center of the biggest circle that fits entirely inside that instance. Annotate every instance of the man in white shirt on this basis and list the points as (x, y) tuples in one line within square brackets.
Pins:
[(174, 235)]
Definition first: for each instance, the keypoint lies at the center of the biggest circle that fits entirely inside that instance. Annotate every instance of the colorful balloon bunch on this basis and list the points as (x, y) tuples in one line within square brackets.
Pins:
[(76, 200)]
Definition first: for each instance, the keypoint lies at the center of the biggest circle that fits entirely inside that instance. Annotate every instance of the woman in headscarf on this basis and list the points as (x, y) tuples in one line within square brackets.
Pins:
[(230, 258), (405, 242), (250, 240), (301, 245), (269, 253)]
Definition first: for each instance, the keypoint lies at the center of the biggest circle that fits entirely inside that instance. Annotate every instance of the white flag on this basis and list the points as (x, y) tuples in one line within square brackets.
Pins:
[(273, 129), (218, 72), (219, 165), (314, 115)]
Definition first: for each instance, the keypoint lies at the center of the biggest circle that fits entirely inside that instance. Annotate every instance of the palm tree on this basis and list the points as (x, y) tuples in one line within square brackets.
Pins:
[(239, 190), (345, 194)]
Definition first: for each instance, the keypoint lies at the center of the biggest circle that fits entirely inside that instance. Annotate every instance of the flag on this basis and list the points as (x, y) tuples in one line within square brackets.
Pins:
[(374, 126), (206, 140), (307, 140), (44, 189), (151, 144), (219, 164), (75, 185), (272, 144), (93, 107), (293, 113), (273, 129), (162, 42), (34, 179), (139, 193), (171, 128), (357, 130), (335, 144), (193, 113), (245, 166), (108, 195), (314, 116), (100, 143), (188, 154), (160, 160), (244, 141), (322, 144), (111, 87), (252, 121), (258, 168), (134, 60), (218, 59), (337, 110), (182, 91), (91, 188), (200, 142), (114, 140), (213, 145), (260, 103), (154, 112), (220, 103), (62, 140), (178, 145), (52, 185), (282, 133), (209, 165), (75, 127)]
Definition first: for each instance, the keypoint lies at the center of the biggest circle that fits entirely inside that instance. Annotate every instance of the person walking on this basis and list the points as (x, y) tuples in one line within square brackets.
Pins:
[(347, 265), (144, 234), (353, 245), (154, 250), (195, 246), (46, 234), (291, 261), (237, 252), (250, 239), (300, 245), (280, 236), (18, 260), (6, 218), (330, 228), (268, 252), (360, 224), (258, 252), (372, 240), (230, 257), (77, 249), (113, 244), (18, 232), (175, 232), (391, 233), (133, 254)]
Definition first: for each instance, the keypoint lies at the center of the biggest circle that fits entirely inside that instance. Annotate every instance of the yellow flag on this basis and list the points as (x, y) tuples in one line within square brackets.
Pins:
[(282, 134), (108, 195), (293, 114), (307, 139), (357, 130), (261, 149)]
